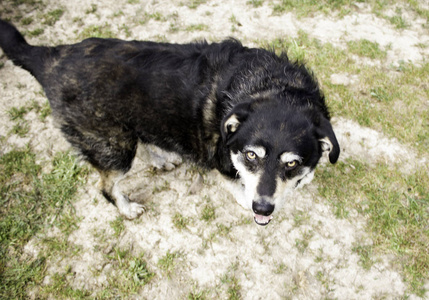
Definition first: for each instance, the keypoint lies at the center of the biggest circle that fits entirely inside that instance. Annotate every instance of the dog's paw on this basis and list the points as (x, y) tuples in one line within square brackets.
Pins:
[(131, 210)]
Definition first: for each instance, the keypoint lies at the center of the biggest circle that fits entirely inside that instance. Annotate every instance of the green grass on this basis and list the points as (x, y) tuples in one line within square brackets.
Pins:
[(36, 32), (255, 3), (197, 27), (366, 48), (92, 10), (60, 285), (130, 273), (28, 199), (26, 21), (208, 213), (168, 262), (103, 31), (53, 16), (396, 207), (118, 226), (193, 4), (180, 222), (308, 8), (17, 114), (233, 288)]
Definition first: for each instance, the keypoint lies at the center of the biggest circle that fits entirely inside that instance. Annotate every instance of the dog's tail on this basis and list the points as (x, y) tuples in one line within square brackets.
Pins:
[(18, 50)]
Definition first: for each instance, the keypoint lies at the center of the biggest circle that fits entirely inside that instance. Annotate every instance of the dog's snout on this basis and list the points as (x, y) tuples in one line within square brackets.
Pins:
[(262, 207)]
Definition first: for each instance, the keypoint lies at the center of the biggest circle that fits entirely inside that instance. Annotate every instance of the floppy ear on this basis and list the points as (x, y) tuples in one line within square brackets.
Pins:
[(327, 140), (232, 121)]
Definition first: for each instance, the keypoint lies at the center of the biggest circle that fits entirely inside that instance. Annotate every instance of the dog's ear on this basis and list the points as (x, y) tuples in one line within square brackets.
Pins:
[(231, 122), (327, 140)]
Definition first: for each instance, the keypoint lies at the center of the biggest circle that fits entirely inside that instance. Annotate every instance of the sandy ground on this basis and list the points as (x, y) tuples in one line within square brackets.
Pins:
[(266, 261)]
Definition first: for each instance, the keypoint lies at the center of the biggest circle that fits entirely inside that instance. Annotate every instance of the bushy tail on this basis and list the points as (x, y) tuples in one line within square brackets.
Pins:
[(17, 49)]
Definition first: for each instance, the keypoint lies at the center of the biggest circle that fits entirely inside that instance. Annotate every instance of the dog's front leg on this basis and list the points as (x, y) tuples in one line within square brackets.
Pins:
[(110, 189)]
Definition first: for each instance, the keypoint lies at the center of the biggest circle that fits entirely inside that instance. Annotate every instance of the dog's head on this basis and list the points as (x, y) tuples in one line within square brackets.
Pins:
[(275, 147)]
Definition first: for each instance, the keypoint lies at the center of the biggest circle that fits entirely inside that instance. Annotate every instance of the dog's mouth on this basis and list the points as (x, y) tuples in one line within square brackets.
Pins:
[(262, 220)]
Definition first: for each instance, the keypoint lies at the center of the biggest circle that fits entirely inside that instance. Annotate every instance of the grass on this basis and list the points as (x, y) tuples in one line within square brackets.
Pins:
[(36, 32), (180, 222), (197, 27), (28, 198), (365, 48), (341, 8), (396, 207), (232, 283), (193, 4), (118, 226), (129, 273), (98, 31), (255, 3), (310, 7), (17, 115), (168, 262), (208, 213), (53, 16)]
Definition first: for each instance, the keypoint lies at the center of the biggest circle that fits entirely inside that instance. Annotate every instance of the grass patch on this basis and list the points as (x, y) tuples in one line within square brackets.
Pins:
[(255, 3), (168, 262), (308, 8), (53, 16), (97, 31), (396, 207), (26, 21), (129, 274), (20, 129), (208, 213), (341, 8), (193, 4), (232, 282), (36, 32), (28, 198), (366, 48), (180, 222), (118, 226), (17, 113), (60, 286), (197, 27)]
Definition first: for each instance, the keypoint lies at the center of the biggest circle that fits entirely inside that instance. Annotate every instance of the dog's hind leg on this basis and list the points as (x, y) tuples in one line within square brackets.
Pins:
[(109, 187), (111, 150)]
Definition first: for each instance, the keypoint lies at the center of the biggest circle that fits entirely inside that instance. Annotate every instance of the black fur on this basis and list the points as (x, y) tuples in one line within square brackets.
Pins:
[(108, 94)]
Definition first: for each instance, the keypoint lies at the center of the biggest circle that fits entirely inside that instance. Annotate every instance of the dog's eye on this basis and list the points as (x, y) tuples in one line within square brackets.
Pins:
[(292, 164), (250, 155)]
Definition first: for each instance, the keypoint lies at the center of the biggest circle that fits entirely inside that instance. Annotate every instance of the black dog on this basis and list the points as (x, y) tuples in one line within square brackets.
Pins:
[(258, 118)]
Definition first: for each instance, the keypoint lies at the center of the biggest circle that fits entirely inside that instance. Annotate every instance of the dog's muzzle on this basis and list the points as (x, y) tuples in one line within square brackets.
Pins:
[(263, 210)]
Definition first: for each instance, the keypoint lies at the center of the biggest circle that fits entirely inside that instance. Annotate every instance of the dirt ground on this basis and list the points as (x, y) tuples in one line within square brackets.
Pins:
[(266, 261)]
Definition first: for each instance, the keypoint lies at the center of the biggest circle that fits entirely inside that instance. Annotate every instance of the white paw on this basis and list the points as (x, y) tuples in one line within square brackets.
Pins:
[(131, 210)]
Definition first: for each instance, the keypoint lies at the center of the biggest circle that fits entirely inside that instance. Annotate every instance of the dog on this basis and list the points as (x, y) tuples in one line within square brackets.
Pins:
[(257, 117)]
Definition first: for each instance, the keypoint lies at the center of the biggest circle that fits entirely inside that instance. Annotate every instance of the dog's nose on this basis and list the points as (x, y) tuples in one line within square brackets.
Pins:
[(262, 207)]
